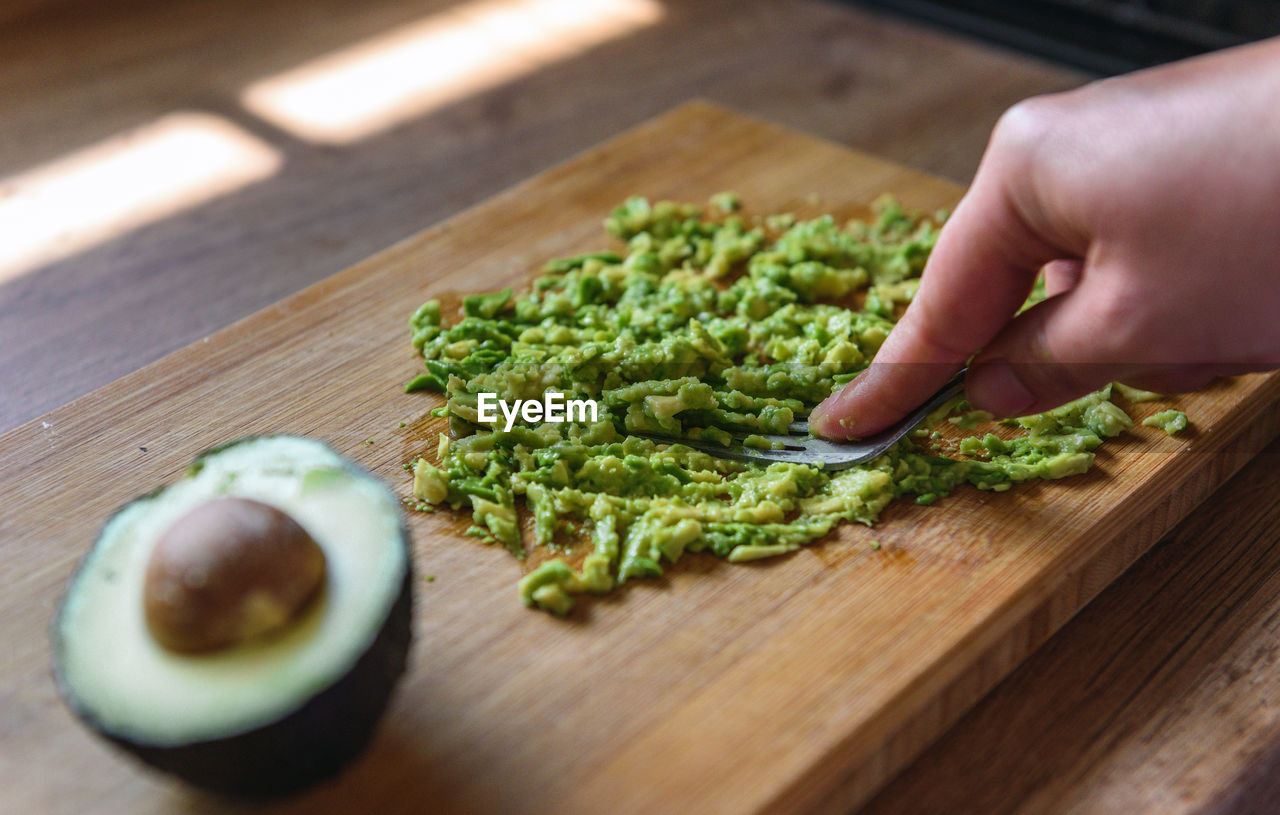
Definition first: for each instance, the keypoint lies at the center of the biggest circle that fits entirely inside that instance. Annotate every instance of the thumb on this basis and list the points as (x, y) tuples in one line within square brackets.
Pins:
[(1053, 352), (1077, 342)]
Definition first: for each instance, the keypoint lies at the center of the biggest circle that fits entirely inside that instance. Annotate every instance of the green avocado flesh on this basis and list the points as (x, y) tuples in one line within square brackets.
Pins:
[(1170, 421), (267, 715), (704, 323)]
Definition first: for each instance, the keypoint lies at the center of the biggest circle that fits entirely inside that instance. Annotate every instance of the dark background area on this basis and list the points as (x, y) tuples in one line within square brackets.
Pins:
[(1101, 36)]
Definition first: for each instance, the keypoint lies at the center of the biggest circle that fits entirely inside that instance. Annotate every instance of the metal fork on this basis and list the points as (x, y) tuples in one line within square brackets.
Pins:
[(803, 448)]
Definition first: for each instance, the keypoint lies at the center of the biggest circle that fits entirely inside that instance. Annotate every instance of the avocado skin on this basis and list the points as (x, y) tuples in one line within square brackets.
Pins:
[(300, 749)]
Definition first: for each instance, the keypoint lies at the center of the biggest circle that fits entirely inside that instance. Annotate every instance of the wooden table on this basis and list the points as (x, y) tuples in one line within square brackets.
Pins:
[(1159, 696)]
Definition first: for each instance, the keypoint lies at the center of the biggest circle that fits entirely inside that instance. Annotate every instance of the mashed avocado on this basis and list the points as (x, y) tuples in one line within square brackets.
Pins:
[(704, 324), (1170, 421)]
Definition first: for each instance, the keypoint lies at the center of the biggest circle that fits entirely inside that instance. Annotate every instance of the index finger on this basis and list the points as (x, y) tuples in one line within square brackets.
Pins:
[(979, 274)]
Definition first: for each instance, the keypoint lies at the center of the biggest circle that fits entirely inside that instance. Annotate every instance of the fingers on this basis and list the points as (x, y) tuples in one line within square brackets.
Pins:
[(1053, 352), (1061, 276), (878, 397), (1104, 329), (979, 274), (1073, 344)]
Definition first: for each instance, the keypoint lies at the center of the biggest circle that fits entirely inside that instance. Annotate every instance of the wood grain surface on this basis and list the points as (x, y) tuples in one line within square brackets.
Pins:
[(800, 684), (1158, 697)]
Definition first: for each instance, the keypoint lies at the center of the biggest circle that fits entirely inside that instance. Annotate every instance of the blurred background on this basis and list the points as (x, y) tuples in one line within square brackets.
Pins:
[(169, 167)]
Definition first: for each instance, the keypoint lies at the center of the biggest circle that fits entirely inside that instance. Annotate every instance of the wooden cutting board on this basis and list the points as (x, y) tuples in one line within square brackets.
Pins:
[(797, 684)]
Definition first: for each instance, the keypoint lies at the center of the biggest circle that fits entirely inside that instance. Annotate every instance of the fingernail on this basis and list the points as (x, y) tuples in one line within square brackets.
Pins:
[(818, 416), (999, 390), (822, 424)]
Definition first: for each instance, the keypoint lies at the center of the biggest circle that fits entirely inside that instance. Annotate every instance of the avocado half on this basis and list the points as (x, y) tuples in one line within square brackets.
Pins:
[(267, 716)]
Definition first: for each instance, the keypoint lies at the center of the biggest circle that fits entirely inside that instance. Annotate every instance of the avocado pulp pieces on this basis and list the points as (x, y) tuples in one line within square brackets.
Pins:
[(263, 717)]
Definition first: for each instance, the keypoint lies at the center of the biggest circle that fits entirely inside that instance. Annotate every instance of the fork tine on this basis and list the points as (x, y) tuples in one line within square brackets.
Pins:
[(803, 448), (783, 442), (813, 452), (740, 453)]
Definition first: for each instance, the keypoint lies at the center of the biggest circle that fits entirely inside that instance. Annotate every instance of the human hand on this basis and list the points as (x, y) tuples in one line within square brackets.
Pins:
[(1152, 203)]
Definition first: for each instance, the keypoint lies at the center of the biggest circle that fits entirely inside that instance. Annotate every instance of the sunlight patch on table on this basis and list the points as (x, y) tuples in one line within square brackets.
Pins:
[(126, 181), (353, 93)]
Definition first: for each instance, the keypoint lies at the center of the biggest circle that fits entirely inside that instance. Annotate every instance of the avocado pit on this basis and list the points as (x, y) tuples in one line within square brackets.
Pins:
[(230, 570)]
